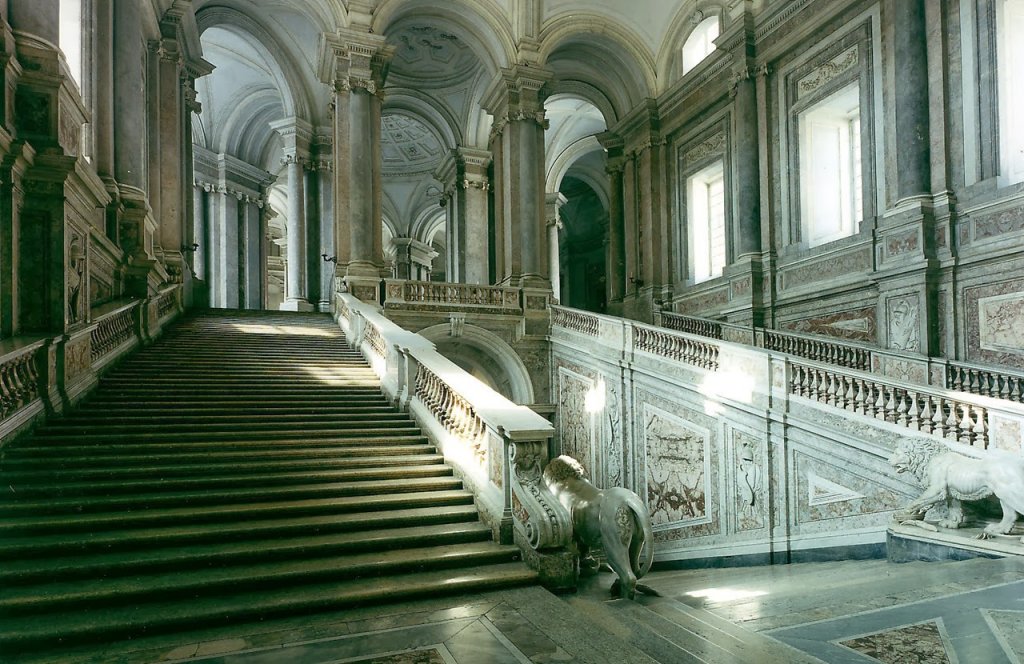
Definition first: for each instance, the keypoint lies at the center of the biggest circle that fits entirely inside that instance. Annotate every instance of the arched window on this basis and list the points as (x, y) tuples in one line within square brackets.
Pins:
[(701, 43), (71, 37), (1010, 22)]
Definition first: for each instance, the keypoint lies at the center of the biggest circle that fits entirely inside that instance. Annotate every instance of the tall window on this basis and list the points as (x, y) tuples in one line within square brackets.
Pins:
[(70, 36), (700, 44), (1011, 89), (705, 205), (831, 191)]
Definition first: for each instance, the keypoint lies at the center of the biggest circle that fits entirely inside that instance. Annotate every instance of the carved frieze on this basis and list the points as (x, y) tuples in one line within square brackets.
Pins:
[(897, 245), (828, 71), (711, 146)]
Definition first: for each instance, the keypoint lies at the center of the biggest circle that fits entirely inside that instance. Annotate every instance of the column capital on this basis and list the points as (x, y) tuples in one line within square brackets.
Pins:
[(351, 60), (517, 93), (297, 135)]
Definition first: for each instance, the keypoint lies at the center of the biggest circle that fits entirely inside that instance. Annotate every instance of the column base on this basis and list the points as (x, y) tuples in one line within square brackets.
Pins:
[(296, 305)]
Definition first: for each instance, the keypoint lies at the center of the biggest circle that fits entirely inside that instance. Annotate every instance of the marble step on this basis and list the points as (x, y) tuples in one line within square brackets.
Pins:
[(157, 411), (155, 428), (198, 534), (21, 488), (227, 512), (86, 505), (101, 470), (156, 447), (229, 401), (90, 459), (76, 627), (324, 432), (255, 418), (204, 582), (107, 565)]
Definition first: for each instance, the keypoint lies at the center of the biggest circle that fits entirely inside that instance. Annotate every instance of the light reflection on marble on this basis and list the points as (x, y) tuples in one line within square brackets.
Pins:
[(426, 656), (1008, 626), (921, 643)]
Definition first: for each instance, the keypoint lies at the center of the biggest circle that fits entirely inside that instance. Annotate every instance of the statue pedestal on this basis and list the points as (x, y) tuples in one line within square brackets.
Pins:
[(906, 543)]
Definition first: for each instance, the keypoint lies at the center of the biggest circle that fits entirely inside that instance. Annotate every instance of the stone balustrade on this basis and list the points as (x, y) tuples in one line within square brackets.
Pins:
[(817, 349), (498, 448), (676, 346), (702, 327), (20, 383), (990, 382), (113, 329), (168, 303), (579, 321), (432, 295)]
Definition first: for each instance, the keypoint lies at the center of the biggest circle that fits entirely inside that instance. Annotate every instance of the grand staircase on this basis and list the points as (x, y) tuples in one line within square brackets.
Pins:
[(245, 467)]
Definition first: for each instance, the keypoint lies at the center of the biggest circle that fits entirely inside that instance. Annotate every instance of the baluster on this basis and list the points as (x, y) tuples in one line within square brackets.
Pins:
[(901, 407), (913, 412), (850, 397), (938, 417), (890, 405), (926, 414), (966, 433), (980, 430), (953, 422), (858, 399)]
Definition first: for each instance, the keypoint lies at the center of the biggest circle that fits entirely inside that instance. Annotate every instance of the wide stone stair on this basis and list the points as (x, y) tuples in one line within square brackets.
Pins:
[(244, 467)]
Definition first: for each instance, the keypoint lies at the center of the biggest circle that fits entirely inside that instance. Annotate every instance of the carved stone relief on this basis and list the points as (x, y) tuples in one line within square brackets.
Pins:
[(613, 440), (903, 316), (999, 223), (76, 271), (829, 71), (857, 261), (711, 146), (77, 358)]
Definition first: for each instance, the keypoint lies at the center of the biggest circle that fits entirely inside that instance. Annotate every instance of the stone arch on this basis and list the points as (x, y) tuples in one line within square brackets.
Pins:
[(480, 22), (592, 49), (689, 16), (486, 356), (286, 74), (414, 102)]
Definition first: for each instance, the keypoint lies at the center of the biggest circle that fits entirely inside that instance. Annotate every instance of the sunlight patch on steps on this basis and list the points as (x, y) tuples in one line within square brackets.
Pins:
[(339, 376), (282, 330), (725, 594)]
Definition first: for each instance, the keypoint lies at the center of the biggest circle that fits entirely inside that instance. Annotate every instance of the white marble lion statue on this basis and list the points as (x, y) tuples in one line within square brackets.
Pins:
[(614, 520), (951, 477)]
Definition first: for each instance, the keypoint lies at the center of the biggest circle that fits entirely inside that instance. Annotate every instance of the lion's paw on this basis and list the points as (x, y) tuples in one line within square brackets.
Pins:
[(950, 523), (997, 529)]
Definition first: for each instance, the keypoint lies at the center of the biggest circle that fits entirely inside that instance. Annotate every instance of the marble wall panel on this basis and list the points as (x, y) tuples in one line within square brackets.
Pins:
[(853, 324), (827, 491), (750, 483), (574, 425), (903, 315), (994, 317), (678, 469)]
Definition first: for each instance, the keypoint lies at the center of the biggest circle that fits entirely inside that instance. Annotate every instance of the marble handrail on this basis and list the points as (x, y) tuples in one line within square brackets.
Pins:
[(704, 327), (498, 448), (817, 349), (572, 319), (675, 346), (167, 302)]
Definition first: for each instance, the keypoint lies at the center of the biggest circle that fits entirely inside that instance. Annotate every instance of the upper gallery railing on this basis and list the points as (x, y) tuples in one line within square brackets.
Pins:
[(995, 382), (955, 415), (432, 295), (498, 448)]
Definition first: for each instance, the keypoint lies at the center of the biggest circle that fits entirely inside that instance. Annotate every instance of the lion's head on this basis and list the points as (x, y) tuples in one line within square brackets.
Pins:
[(563, 468), (913, 455)]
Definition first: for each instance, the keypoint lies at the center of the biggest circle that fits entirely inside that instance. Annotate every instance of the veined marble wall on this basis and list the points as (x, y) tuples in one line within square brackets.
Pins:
[(729, 462)]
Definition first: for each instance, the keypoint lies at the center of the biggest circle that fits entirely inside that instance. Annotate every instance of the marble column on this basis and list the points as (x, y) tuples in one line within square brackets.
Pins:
[(464, 174), (296, 135), (129, 96), (103, 116), (913, 158), (747, 188), (516, 100), (255, 260), (615, 256), (323, 171), (200, 206), (167, 192), (552, 207), (354, 63), (37, 17), (296, 293)]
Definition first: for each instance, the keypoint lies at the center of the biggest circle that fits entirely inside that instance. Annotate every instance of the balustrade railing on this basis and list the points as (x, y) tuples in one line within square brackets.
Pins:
[(497, 447), (921, 410), (19, 379), (818, 350), (986, 381), (435, 293), (676, 346), (112, 330), (579, 321), (703, 327), (166, 304)]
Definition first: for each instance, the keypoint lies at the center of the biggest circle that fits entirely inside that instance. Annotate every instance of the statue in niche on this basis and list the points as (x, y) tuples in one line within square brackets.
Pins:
[(951, 477), (614, 520), (76, 270)]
